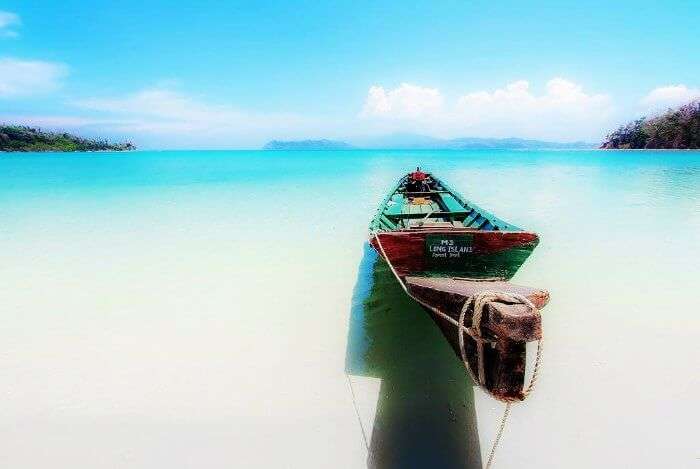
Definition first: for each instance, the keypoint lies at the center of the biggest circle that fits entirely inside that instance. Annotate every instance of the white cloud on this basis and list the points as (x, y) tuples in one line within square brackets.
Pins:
[(157, 109), (8, 21), (29, 77), (670, 96), (513, 95), (159, 103), (188, 121), (405, 102), (563, 111), (165, 117)]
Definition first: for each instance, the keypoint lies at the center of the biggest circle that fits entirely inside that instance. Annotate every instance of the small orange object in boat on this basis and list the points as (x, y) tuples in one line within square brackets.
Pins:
[(420, 201)]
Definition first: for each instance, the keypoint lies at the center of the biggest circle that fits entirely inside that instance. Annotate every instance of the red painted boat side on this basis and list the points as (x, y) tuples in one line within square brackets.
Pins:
[(406, 249)]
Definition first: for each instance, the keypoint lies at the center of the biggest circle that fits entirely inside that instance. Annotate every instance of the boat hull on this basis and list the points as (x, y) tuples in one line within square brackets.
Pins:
[(454, 258), (455, 252)]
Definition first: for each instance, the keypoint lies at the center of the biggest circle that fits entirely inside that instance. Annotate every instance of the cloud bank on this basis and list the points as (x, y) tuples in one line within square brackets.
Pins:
[(563, 111), (191, 121), (21, 78), (163, 116)]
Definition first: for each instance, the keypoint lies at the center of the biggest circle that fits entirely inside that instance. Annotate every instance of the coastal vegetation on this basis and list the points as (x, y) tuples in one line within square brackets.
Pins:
[(25, 139), (675, 129)]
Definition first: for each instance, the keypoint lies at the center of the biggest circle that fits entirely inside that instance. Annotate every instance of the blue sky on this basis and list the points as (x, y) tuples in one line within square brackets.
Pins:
[(234, 74)]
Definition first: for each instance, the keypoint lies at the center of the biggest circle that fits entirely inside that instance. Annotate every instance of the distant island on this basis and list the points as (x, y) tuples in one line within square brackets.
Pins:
[(676, 129), (25, 139), (422, 142), (307, 145)]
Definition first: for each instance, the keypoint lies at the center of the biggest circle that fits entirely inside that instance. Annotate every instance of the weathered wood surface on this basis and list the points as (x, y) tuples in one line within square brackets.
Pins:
[(461, 289), (507, 326)]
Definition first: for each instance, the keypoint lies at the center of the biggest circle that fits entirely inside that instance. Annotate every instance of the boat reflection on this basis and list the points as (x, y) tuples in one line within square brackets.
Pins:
[(425, 411)]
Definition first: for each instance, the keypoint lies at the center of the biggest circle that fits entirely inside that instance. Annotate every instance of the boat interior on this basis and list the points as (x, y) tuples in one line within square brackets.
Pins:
[(426, 202)]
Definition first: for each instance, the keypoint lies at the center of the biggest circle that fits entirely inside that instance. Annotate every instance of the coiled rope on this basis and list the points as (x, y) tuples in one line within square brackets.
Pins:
[(478, 301)]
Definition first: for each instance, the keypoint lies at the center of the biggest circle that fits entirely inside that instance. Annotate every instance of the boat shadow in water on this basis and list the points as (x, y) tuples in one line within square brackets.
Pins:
[(425, 411)]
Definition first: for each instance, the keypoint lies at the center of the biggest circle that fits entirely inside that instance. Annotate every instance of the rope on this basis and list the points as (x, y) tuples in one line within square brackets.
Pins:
[(422, 222), (357, 412), (499, 434), (479, 301)]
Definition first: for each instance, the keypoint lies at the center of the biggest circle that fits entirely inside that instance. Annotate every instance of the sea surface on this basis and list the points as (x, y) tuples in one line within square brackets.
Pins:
[(201, 309)]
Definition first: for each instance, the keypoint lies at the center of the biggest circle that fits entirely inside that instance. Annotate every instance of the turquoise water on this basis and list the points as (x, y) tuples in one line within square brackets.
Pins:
[(196, 309)]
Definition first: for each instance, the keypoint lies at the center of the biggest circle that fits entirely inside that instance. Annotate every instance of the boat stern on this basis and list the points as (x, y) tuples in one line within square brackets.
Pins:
[(455, 252)]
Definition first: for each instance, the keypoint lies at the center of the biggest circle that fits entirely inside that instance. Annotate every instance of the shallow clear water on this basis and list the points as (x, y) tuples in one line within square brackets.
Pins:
[(199, 309)]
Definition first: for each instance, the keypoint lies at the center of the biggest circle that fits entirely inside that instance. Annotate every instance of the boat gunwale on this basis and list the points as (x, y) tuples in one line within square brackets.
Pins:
[(375, 223), (448, 229)]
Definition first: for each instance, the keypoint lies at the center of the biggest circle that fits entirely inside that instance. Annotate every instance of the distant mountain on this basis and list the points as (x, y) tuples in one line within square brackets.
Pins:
[(512, 143), (409, 141), (397, 141), (423, 142), (307, 145), (23, 138), (677, 129)]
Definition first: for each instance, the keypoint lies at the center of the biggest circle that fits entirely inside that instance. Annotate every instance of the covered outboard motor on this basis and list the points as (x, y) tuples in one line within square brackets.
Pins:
[(418, 175), (418, 181)]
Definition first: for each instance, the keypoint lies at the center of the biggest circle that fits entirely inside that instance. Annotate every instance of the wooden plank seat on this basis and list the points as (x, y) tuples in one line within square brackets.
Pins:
[(422, 194), (437, 214)]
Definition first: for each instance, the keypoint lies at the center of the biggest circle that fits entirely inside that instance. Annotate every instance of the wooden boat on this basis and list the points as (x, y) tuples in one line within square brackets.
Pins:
[(439, 232), (447, 252)]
